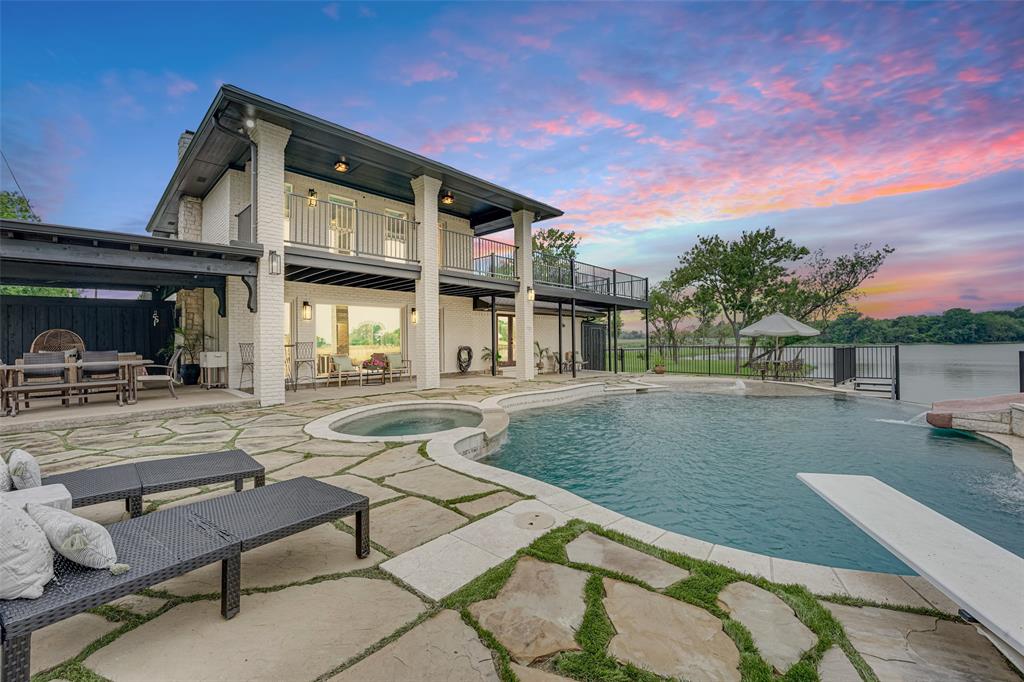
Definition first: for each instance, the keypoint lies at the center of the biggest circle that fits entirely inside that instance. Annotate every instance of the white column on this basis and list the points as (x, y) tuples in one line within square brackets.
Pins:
[(522, 225), (426, 356), (268, 323)]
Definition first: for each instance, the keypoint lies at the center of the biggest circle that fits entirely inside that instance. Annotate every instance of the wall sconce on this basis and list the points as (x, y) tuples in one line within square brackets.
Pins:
[(342, 165), (531, 295), (312, 198), (447, 198), (307, 311), (275, 263), (414, 317)]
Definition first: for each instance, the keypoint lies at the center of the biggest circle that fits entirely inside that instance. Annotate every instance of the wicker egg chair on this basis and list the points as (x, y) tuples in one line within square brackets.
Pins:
[(58, 340)]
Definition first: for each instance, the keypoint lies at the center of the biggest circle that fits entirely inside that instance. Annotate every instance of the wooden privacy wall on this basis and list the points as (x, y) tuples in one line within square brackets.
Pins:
[(127, 326)]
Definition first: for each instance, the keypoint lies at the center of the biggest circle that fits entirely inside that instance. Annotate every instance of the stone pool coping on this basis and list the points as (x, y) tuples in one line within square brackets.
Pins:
[(493, 420), (443, 565)]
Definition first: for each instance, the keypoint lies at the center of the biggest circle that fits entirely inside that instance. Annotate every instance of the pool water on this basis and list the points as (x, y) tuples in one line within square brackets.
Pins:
[(723, 468), (409, 422)]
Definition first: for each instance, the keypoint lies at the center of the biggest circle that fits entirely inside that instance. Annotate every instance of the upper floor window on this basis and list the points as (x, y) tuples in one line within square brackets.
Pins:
[(396, 224), (288, 189)]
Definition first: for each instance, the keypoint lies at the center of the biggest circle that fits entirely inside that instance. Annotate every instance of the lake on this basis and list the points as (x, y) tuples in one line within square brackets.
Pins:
[(931, 372)]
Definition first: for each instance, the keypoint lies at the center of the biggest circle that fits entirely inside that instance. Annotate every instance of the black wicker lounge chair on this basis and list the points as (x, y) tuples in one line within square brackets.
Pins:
[(168, 543), (129, 482)]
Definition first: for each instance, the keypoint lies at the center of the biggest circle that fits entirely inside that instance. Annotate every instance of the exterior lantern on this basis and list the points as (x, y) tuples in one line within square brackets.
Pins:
[(341, 165), (275, 263), (312, 198), (447, 198), (307, 311), (414, 317), (531, 295)]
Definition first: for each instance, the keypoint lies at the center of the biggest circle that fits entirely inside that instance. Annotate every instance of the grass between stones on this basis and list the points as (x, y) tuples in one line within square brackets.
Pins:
[(700, 589)]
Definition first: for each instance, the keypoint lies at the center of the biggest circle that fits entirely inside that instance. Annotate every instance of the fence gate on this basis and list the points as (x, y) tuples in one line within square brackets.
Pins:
[(143, 327), (844, 364), (594, 345)]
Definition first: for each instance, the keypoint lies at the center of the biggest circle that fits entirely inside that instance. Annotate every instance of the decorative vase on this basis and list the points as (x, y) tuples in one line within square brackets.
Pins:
[(659, 369), (189, 374)]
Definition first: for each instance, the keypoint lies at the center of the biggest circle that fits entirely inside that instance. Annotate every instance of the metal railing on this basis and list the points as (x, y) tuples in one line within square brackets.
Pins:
[(574, 274), (480, 256), (348, 230), (246, 230)]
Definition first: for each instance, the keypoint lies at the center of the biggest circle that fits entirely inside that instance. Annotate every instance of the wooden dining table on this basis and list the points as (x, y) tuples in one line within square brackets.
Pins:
[(128, 369)]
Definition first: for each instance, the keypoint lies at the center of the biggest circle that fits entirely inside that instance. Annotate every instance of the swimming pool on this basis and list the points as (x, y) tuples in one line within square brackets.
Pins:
[(409, 421), (723, 468)]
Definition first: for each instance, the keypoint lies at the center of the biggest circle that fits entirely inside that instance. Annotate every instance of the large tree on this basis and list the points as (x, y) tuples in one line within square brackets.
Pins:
[(551, 241), (15, 205), (668, 308)]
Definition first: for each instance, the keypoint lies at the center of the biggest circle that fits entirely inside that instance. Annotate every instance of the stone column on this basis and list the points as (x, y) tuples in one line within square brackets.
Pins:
[(189, 302), (426, 357), (268, 322), (522, 225)]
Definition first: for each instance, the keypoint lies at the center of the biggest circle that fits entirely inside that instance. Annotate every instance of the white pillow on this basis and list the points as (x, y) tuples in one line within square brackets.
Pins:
[(24, 470), (83, 541), (6, 483), (26, 560)]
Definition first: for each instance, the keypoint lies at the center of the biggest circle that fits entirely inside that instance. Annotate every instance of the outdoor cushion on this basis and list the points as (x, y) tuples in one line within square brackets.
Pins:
[(24, 470), (6, 482), (56, 496), (82, 541), (26, 560)]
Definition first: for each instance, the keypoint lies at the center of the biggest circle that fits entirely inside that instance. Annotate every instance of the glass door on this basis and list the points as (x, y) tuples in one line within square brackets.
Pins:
[(506, 341), (343, 222)]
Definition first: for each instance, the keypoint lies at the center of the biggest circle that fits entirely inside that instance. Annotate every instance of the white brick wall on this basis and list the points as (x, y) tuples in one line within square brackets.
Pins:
[(268, 331), (522, 222), (426, 353)]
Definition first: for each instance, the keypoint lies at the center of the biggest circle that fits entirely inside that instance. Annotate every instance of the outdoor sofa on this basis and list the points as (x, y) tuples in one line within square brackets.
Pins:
[(171, 542), (130, 482)]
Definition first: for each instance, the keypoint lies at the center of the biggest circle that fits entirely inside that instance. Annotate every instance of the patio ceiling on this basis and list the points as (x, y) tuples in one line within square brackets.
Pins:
[(315, 145), (41, 254)]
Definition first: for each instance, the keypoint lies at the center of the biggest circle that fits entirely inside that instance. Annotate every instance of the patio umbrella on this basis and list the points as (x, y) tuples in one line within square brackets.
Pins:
[(778, 326)]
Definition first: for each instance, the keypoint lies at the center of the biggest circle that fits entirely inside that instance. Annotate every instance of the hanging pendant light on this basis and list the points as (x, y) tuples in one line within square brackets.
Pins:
[(447, 198), (341, 165)]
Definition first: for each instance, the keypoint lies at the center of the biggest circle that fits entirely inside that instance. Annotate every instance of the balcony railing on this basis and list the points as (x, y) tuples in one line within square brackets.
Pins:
[(477, 255), (348, 230), (573, 274)]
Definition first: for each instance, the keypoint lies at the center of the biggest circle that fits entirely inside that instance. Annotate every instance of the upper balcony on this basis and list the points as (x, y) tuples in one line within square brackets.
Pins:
[(567, 273), (347, 230)]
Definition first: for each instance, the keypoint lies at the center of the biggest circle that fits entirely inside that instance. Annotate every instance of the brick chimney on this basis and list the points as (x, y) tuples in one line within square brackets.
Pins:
[(183, 141)]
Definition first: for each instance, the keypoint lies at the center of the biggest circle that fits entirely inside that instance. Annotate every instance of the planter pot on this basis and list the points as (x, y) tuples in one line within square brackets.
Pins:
[(659, 369), (189, 374)]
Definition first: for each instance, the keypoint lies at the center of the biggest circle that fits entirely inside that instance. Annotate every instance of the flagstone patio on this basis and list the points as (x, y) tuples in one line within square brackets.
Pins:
[(472, 578)]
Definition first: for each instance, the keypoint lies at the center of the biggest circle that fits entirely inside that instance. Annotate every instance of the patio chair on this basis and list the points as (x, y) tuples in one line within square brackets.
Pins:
[(172, 542), (102, 377), (305, 356), (62, 340), (30, 378), (343, 369), (574, 358), (398, 366), (247, 352), (171, 376), (761, 367)]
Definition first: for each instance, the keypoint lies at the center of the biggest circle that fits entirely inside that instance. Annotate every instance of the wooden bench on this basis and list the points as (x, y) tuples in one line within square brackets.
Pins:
[(63, 389), (981, 577)]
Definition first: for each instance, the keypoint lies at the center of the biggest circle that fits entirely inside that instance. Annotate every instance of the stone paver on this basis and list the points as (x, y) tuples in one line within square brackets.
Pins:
[(534, 675), (668, 637), (333, 448), (272, 461), (816, 578), (537, 612), (133, 450), (742, 561), (314, 467), (409, 522), (644, 532), (684, 544), (204, 437), (376, 493), (440, 566), (396, 460), (612, 556), (194, 424), (907, 646), (76, 464), (880, 587), (836, 667), (259, 444), (442, 648), (318, 551), (488, 504), (56, 643), (778, 634), (139, 604), (307, 628), (438, 482), (104, 513)]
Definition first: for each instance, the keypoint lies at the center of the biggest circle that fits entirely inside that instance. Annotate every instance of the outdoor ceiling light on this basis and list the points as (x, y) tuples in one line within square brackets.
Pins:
[(307, 311), (275, 263), (250, 124), (414, 316), (531, 295), (341, 165), (312, 198), (447, 198)]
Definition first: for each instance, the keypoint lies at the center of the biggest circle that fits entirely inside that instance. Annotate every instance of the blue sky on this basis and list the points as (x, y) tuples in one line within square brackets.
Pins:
[(647, 123)]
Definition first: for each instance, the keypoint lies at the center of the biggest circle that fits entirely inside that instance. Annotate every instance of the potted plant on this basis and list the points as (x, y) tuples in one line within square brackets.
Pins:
[(192, 343), (485, 354), (540, 354), (659, 366)]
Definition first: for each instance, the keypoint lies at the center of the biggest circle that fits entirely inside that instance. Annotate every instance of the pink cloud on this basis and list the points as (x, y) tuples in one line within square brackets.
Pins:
[(535, 42), (976, 75), (178, 86), (425, 72), (830, 41)]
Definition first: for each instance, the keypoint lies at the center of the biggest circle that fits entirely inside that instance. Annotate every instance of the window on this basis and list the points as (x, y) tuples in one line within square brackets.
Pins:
[(287, 211), (343, 222), (395, 224), (356, 331)]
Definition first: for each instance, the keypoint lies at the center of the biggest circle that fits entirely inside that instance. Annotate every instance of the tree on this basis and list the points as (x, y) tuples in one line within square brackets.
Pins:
[(552, 241), (825, 287), (668, 308), (16, 205), (743, 277)]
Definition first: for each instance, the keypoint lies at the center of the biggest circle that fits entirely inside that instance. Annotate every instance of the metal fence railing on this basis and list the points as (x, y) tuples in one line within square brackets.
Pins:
[(478, 255), (574, 274), (348, 230)]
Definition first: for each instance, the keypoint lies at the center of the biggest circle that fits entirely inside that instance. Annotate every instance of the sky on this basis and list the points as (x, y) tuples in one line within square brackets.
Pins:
[(648, 124)]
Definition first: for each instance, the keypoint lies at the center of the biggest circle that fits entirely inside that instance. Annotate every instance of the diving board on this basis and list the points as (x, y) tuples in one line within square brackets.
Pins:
[(981, 577)]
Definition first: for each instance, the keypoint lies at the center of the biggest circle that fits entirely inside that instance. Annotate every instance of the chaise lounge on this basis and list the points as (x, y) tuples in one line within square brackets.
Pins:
[(168, 543)]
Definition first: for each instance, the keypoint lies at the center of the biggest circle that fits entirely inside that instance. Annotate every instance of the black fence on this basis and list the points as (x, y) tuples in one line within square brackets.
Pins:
[(835, 364)]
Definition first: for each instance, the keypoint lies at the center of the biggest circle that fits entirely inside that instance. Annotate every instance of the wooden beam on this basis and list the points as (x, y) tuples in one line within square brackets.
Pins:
[(98, 257)]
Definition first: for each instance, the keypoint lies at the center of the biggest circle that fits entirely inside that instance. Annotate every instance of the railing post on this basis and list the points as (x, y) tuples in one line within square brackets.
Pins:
[(896, 373), (647, 341), (1020, 369), (572, 273)]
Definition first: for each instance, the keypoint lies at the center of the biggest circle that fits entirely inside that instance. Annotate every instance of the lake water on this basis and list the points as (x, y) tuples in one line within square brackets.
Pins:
[(931, 372)]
